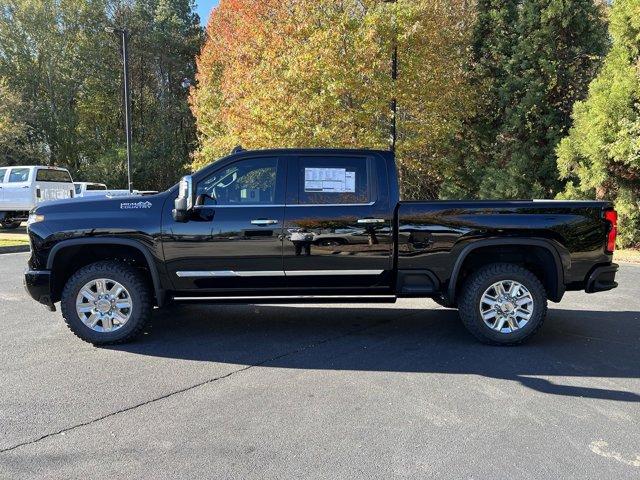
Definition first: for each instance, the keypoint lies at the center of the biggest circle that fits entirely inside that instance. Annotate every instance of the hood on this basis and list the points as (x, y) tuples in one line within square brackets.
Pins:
[(100, 205)]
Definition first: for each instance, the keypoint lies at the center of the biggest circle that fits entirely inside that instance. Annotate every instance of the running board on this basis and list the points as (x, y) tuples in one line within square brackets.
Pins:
[(293, 299)]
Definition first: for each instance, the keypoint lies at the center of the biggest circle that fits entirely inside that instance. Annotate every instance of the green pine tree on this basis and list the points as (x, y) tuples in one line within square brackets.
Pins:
[(601, 155), (532, 59), (474, 147)]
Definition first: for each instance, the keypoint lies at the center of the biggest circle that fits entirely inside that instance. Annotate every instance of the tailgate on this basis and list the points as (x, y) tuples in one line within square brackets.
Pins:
[(53, 191)]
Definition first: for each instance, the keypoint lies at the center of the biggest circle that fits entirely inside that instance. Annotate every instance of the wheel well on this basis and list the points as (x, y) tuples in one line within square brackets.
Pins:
[(539, 260), (70, 259)]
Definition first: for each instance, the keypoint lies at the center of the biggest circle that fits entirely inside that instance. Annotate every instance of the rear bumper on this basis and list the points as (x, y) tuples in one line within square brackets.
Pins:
[(37, 283), (602, 279)]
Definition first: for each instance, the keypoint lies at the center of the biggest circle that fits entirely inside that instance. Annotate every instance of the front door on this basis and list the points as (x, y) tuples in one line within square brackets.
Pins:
[(233, 242), (338, 224)]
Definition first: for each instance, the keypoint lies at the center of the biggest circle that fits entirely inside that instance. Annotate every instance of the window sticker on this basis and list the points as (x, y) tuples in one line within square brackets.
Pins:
[(329, 180)]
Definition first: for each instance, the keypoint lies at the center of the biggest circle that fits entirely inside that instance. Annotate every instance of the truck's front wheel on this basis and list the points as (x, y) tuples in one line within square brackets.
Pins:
[(106, 302), (502, 304)]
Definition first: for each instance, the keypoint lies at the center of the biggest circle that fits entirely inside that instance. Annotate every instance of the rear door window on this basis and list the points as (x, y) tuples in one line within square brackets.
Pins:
[(3, 171), (17, 175), (96, 186), (46, 175), (333, 180)]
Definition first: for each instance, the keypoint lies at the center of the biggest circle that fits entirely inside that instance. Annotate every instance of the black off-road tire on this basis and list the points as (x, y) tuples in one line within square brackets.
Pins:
[(131, 279), (475, 286)]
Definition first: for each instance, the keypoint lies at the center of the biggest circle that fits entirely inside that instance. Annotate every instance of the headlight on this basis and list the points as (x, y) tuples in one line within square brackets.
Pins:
[(34, 218)]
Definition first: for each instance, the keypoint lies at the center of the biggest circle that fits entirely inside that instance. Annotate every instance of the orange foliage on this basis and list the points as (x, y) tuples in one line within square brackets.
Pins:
[(295, 73)]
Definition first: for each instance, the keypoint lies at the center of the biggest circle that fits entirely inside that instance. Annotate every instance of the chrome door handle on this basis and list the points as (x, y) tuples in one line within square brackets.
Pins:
[(370, 220), (262, 221)]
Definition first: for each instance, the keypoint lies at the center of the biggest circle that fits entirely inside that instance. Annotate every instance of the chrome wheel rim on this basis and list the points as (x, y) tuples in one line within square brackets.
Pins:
[(506, 306), (104, 305)]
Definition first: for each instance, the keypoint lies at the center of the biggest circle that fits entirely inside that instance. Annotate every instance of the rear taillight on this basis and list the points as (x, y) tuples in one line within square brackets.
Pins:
[(612, 217)]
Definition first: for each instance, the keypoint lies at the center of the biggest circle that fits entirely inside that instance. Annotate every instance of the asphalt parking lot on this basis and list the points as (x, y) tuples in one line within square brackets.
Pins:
[(340, 391)]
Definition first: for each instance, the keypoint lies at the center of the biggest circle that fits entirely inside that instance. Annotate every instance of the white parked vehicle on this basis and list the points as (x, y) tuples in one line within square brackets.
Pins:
[(90, 189), (24, 187)]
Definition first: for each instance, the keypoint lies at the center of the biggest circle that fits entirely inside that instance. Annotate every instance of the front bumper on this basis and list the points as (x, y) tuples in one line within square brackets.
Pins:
[(37, 283), (602, 279)]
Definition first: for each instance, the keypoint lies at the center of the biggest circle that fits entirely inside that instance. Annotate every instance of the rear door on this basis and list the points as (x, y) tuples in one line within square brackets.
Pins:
[(338, 223)]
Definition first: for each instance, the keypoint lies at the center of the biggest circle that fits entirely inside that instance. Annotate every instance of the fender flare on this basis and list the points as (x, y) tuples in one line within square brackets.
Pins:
[(153, 269), (464, 253)]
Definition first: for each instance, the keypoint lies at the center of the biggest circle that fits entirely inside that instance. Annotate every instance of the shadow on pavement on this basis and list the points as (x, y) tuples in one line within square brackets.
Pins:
[(20, 231), (573, 343)]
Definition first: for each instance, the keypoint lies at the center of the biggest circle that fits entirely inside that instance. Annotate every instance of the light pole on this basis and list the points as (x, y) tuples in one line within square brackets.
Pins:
[(124, 33), (394, 77)]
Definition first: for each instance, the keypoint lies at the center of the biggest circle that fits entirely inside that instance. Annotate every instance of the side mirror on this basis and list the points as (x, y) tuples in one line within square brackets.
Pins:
[(184, 202)]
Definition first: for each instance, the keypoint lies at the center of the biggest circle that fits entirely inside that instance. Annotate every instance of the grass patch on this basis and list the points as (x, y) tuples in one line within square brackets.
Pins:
[(13, 242), (627, 255)]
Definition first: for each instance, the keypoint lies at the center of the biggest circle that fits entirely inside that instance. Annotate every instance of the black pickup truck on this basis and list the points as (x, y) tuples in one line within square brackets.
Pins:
[(313, 225)]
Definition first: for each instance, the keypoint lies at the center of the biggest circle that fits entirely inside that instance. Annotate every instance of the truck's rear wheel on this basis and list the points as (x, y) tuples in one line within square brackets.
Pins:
[(106, 302), (503, 304)]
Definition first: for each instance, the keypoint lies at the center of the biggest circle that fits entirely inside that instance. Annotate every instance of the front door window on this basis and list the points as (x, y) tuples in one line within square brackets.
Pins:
[(248, 182)]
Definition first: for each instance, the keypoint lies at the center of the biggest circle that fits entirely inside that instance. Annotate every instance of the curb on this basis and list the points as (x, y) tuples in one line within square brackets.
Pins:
[(14, 249)]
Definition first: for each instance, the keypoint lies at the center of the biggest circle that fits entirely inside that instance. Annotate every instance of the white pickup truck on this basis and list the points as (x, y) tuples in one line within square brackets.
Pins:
[(90, 189), (24, 187)]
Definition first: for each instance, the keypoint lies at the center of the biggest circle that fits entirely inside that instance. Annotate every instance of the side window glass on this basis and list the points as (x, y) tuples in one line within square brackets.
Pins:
[(246, 182), (2, 173), (329, 180), (18, 175)]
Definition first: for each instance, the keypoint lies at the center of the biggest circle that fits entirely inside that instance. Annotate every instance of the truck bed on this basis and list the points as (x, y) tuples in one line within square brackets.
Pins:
[(434, 233)]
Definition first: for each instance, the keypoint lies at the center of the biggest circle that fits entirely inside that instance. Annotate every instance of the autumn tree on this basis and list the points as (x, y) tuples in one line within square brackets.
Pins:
[(317, 73), (274, 74), (601, 155)]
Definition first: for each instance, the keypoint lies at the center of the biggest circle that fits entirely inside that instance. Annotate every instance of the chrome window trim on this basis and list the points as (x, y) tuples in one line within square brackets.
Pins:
[(331, 204), (264, 205), (254, 205), (270, 273)]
